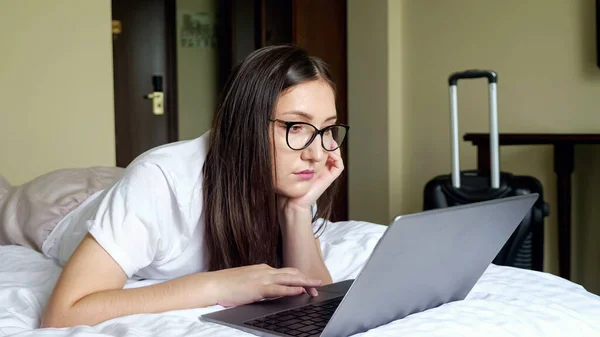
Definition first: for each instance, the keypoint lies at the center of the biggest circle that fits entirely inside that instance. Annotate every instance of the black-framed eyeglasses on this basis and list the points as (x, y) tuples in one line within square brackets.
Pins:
[(299, 135)]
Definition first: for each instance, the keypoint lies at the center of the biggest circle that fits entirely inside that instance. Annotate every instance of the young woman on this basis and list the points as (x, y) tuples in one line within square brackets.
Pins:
[(227, 218)]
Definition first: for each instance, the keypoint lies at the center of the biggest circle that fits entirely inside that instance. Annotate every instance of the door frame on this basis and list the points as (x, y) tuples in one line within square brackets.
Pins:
[(171, 93)]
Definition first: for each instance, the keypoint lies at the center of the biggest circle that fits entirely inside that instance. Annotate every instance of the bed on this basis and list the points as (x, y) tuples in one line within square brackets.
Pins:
[(505, 301)]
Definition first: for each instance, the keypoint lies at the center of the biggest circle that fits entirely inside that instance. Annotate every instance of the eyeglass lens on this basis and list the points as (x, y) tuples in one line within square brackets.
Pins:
[(299, 135)]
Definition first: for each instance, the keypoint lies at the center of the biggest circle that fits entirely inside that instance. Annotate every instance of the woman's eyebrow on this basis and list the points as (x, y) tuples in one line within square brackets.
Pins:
[(302, 114), (306, 115)]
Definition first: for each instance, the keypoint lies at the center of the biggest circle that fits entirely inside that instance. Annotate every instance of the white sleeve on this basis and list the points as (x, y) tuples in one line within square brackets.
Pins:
[(127, 223)]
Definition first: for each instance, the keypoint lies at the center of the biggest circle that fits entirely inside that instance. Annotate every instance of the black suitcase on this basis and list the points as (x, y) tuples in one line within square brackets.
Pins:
[(525, 248)]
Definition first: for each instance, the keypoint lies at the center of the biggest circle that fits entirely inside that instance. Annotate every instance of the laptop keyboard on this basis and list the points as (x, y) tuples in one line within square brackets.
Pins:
[(305, 321)]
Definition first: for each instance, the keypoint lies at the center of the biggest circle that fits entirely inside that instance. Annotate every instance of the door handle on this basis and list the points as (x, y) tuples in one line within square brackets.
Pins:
[(157, 96)]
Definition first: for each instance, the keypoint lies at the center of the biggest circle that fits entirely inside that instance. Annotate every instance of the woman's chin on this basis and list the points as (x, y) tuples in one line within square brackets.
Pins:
[(291, 195), (296, 190)]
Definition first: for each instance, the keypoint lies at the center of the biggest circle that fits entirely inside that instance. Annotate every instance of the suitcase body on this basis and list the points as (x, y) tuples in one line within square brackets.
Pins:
[(525, 248)]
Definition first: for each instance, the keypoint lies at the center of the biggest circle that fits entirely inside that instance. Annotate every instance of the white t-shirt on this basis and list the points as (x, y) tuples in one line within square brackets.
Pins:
[(150, 220)]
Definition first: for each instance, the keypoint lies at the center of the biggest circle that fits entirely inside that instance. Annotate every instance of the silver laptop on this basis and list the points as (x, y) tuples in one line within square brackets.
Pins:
[(422, 261)]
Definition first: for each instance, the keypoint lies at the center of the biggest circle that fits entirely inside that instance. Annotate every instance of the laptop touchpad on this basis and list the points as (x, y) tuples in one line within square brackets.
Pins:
[(336, 288)]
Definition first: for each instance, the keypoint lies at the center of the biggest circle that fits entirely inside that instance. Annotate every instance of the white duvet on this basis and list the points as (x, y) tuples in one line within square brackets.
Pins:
[(505, 301)]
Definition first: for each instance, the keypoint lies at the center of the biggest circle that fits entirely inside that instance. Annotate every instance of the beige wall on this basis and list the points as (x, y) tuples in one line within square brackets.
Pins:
[(196, 75), (369, 178), (56, 86), (544, 53)]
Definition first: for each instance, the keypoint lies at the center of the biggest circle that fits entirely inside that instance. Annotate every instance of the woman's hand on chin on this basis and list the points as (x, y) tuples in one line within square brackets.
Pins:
[(331, 171)]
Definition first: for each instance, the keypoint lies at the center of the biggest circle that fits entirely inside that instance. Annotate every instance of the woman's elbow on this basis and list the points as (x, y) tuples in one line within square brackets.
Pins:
[(54, 318), (46, 323), (51, 323)]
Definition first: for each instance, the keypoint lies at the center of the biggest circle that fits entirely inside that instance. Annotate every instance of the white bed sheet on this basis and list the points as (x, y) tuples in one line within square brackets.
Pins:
[(505, 301)]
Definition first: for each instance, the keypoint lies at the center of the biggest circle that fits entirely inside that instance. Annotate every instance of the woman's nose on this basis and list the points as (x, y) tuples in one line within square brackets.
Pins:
[(314, 151)]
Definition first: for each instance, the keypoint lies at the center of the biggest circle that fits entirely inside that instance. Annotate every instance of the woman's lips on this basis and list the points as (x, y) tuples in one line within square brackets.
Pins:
[(305, 175)]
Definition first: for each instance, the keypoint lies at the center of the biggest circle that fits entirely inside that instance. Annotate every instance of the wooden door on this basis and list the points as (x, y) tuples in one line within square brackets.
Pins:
[(143, 63)]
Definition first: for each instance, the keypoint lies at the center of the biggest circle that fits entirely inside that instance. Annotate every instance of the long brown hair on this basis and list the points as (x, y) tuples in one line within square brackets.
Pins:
[(240, 205)]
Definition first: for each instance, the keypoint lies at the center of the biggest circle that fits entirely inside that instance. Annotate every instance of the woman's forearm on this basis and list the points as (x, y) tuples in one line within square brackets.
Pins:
[(300, 248), (186, 292)]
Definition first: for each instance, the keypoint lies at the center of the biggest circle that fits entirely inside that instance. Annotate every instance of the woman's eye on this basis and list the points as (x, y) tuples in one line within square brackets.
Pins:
[(296, 128)]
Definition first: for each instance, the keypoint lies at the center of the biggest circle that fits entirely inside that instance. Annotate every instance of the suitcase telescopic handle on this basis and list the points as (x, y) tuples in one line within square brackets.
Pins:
[(468, 74), (493, 106)]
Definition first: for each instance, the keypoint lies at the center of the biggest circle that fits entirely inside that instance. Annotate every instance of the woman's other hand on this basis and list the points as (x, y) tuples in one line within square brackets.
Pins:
[(243, 285)]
